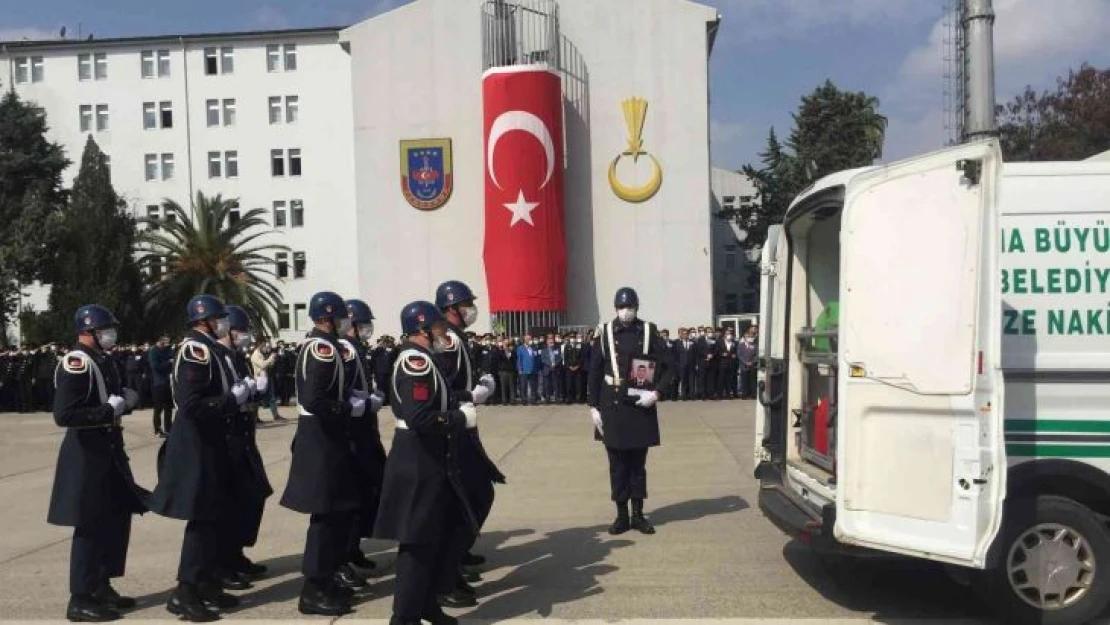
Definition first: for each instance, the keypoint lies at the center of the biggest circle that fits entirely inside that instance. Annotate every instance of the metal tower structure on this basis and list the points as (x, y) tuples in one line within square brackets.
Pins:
[(955, 71)]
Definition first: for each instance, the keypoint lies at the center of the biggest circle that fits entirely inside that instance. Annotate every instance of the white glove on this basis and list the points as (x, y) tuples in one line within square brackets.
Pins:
[(251, 384), (471, 413), (262, 382), (118, 404), (595, 415), (480, 394), (358, 406), (488, 382), (241, 393), (647, 400), (376, 402), (131, 398)]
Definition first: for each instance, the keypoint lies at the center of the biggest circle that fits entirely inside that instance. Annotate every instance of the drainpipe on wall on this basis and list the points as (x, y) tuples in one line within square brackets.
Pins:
[(188, 125)]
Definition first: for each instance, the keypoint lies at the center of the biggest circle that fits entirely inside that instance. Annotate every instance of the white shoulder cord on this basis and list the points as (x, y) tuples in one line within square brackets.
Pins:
[(402, 363), (96, 376)]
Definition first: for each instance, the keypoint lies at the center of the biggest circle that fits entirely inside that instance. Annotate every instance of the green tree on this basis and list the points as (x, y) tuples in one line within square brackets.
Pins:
[(93, 254), (205, 253), (1071, 122), (833, 130), (30, 192)]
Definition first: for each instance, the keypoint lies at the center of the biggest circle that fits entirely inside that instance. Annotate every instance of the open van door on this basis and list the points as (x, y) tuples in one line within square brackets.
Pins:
[(770, 415), (921, 456)]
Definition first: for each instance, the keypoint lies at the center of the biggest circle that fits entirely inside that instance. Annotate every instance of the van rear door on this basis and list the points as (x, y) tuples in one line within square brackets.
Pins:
[(770, 415), (921, 460)]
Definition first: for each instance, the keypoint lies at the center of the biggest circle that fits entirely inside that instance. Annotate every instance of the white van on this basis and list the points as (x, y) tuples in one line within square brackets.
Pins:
[(936, 380)]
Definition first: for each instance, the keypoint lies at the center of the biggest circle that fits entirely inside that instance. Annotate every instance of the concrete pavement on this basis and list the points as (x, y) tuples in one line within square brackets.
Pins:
[(714, 556)]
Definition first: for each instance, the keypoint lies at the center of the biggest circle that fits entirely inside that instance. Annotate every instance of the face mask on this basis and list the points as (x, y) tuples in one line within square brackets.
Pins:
[(439, 344), (366, 331), (223, 327), (242, 339), (626, 315), (265, 351), (106, 338), (469, 315), (343, 326)]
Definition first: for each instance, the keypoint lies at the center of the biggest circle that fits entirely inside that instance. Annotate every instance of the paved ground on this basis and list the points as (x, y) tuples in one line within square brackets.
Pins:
[(714, 556)]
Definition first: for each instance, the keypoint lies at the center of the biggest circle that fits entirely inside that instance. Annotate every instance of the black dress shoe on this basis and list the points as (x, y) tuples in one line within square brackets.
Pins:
[(473, 559), (642, 525), (212, 595), (108, 596), (248, 568), (457, 600), (360, 560), (346, 577), (232, 580), (437, 618), (620, 525), (396, 620), (186, 603), (470, 577), (86, 609), (315, 600), (340, 592), (465, 588)]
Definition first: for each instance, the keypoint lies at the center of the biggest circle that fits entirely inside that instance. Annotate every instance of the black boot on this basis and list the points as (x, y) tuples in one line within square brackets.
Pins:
[(213, 596), (470, 577), (457, 599), (86, 609), (638, 521), (360, 560), (232, 580), (108, 596), (463, 587), (316, 600), (621, 524), (396, 620), (346, 577), (185, 602), (473, 559), (248, 568), (437, 617)]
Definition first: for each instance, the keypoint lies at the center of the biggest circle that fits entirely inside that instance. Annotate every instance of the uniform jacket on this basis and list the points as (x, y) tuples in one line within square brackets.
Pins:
[(626, 426), (194, 463), (366, 438), (478, 470), (422, 473), (246, 460), (322, 473), (93, 478)]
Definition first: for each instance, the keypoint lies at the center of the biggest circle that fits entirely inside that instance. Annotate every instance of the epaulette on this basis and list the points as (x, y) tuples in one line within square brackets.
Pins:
[(195, 352), (322, 351), (349, 352), (415, 364), (76, 363), (452, 342)]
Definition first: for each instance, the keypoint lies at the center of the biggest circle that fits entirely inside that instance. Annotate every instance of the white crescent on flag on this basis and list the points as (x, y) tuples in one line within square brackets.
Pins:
[(529, 123)]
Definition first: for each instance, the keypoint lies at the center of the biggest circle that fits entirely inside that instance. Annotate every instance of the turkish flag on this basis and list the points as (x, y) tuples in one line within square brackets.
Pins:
[(525, 244)]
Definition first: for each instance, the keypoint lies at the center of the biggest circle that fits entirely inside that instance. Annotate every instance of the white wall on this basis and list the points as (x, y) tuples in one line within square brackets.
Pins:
[(418, 75)]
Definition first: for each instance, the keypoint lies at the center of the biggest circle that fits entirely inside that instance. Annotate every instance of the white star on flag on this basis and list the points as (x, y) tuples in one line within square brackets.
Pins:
[(521, 209)]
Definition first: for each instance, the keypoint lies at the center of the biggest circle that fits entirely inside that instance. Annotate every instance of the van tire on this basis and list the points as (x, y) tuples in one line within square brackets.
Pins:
[(1026, 520)]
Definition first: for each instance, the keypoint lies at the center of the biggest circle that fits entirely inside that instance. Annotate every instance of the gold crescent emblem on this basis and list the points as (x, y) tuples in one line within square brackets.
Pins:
[(635, 113)]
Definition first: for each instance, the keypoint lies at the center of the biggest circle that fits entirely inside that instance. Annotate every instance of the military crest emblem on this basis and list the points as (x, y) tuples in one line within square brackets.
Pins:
[(426, 172)]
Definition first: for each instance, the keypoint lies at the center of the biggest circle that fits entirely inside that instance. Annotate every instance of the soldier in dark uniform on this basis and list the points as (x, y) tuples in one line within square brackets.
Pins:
[(26, 377), (194, 476), (455, 301), (46, 361), (366, 439), (249, 484), (627, 424), (322, 473), (94, 490), (424, 504), (383, 358)]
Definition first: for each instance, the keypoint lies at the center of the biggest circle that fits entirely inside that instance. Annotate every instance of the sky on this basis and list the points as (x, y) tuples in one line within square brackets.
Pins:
[(769, 53)]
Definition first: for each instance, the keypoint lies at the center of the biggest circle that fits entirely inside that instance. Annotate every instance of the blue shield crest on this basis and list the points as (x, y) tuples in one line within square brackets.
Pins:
[(426, 174)]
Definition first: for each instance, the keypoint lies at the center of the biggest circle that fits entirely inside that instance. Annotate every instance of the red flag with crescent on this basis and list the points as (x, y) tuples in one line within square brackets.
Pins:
[(525, 243)]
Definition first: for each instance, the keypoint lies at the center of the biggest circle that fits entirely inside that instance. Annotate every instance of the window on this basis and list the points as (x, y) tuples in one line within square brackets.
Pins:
[(152, 211), (728, 201), (282, 265), (227, 60), (86, 113), (294, 162), (745, 200), (300, 317), (163, 63), (277, 162), (231, 164), (165, 110), (211, 62), (84, 67), (233, 214), (213, 107), (146, 62), (298, 264), (226, 164), (281, 57), (101, 117), (151, 166), (215, 165), (38, 70), (292, 109), (280, 220), (167, 167), (100, 61), (169, 217), (229, 112), (275, 109), (283, 317), (219, 60), (296, 208), (28, 69), (732, 304), (150, 116), (155, 63), (157, 115)]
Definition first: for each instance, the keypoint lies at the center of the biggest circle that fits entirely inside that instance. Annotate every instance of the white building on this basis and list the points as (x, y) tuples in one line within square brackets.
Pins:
[(336, 104), (734, 290)]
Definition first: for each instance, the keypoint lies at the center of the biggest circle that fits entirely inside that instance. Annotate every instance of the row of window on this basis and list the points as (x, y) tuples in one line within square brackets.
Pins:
[(300, 319), (223, 164), (159, 115), (156, 63), (286, 213)]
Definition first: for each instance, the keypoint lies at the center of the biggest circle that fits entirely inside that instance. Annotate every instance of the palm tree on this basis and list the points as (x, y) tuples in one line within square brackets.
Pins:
[(204, 253)]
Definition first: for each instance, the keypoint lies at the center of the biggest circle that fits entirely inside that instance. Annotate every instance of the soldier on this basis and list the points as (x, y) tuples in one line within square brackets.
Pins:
[(627, 423), (194, 463), (94, 490), (366, 439), (456, 303), (424, 505), (161, 366), (250, 485), (322, 474)]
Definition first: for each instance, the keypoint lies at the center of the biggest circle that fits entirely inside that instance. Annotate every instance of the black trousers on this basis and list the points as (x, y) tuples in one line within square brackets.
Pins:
[(200, 551), (707, 383), (627, 473), (505, 387), (98, 553), (239, 528), (163, 405), (427, 569), (726, 381), (747, 382), (327, 545)]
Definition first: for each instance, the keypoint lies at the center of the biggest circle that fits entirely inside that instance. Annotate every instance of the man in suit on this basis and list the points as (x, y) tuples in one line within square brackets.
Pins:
[(684, 350), (729, 366)]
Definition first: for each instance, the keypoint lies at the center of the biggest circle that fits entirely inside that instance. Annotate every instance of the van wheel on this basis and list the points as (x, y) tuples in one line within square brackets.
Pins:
[(1050, 565)]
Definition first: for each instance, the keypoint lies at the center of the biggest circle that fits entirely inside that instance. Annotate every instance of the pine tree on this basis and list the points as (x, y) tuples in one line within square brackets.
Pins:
[(94, 254)]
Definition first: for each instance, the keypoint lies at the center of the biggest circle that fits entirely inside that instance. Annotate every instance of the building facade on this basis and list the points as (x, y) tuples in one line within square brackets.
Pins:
[(735, 277), (308, 124)]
